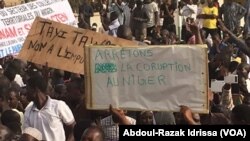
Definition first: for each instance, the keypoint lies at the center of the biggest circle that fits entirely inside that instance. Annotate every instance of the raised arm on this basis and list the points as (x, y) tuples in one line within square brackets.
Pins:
[(188, 115), (239, 42)]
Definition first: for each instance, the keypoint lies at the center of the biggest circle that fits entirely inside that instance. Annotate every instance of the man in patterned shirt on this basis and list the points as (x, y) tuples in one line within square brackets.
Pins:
[(110, 124)]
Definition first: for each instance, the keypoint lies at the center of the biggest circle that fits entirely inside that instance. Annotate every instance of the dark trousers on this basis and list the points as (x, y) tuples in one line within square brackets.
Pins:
[(151, 31), (210, 31)]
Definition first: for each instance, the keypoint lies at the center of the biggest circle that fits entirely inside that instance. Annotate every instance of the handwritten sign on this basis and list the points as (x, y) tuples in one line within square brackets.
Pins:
[(15, 22), (147, 78), (62, 46)]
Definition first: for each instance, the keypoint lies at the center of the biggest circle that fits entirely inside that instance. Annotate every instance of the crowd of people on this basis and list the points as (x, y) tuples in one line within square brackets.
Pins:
[(41, 103)]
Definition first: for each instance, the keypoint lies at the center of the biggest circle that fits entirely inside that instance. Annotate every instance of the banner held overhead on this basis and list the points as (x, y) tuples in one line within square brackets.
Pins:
[(147, 78), (62, 46)]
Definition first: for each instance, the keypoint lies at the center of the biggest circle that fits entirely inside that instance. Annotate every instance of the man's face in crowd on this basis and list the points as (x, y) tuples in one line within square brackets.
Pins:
[(31, 92), (12, 99), (147, 118)]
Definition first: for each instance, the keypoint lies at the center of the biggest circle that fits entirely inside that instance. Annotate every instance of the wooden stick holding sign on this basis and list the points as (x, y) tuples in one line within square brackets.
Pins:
[(147, 78), (61, 45)]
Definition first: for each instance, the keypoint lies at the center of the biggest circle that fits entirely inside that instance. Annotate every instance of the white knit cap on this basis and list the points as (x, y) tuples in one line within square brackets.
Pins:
[(33, 132)]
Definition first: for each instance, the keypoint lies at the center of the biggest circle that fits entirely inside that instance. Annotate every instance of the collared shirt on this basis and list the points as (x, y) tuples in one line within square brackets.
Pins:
[(49, 120), (21, 117), (111, 129), (142, 14)]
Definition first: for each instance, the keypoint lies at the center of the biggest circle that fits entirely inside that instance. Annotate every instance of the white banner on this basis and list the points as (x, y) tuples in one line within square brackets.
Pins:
[(149, 78), (15, 22)]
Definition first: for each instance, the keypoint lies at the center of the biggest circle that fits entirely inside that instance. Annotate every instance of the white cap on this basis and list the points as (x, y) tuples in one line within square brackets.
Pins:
[(1, 65), (33, 132)]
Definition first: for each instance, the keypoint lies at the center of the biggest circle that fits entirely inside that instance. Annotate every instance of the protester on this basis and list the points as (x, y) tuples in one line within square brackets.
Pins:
[(85, 13), (167, 13), (145, 118), (140, 19), (232, 13), (247, 21), (110, 124), (15, 104), (112, 26), (152, 11), (46, 114), (12, 120), (209, 14)]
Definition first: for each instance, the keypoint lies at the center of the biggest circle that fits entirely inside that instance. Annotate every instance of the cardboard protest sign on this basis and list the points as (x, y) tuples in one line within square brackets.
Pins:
[(61, 45), (16, 21), (147, 78)]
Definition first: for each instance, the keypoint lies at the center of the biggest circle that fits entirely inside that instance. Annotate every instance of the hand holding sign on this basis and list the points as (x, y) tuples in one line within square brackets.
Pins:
[(118, 116)]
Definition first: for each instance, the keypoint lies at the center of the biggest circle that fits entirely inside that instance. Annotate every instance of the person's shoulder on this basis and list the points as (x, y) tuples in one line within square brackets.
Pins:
[(106, 121), (57, 102), (154, 4), (29, 106)]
